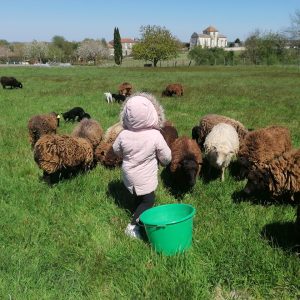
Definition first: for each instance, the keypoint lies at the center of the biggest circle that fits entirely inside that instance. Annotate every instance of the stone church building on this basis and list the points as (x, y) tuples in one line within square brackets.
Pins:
[(210, 38)]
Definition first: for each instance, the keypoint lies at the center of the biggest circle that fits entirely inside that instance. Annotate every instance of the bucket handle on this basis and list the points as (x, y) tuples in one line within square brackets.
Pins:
[(156, 226)]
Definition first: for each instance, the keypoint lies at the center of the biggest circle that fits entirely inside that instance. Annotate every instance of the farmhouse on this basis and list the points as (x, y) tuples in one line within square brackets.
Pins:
[(126, 43), (210, 38)]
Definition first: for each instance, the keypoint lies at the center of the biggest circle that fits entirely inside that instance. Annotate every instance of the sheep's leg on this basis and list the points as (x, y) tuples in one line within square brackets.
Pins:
[(222, 173)]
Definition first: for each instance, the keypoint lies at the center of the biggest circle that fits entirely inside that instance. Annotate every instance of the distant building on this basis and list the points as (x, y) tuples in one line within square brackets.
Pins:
[(126, 43), (210, 38)]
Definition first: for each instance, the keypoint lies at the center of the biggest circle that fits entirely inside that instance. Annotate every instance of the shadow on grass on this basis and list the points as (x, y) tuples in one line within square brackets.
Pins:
[(176, 190), (234, 169), (283, 235), (61, 175), (209, 173), (121, 195), (262, 198), (125, 200)]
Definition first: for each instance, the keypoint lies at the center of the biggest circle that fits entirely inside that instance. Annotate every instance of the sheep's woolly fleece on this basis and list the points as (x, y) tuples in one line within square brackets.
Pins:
[(52, 153)]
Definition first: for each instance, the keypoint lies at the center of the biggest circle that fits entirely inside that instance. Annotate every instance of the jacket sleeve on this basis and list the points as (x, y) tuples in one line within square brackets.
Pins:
[(117, 147), (163, 152)]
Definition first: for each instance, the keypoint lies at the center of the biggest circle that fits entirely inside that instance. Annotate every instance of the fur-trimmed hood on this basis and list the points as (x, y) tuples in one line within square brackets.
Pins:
[(142, 111)]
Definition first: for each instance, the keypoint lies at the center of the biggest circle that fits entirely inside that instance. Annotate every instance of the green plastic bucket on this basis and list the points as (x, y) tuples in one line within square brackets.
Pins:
[(169, 227)]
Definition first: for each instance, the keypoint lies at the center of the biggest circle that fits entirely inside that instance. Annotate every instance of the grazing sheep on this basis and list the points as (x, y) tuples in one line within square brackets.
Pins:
[(62, 155), (207, 123), (75, 112), (10, 81), (279, 176), (125, 89), (186, 162), (173, 89), (262, 145), (89, 129), (108, 97), (40, 125), (169, 132), (220, 145), (119, 97), (104, 153)]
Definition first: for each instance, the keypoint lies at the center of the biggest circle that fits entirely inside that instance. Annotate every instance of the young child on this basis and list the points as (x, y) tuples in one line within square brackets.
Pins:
[(141, 145)]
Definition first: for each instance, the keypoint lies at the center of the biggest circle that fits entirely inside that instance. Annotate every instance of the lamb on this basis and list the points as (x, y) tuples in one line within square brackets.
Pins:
[(173, 89), (89, 129), (220, 145), (279, 176), (262, 145), (125, 89), (75, 112), (207, 123), (186, 162), (40, 125), (10, 81), (104, 153), (108, 97), (169, 132), (62, 156)]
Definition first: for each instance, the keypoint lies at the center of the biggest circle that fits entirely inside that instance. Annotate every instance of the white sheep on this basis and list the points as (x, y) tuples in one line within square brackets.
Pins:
[(220, 145)]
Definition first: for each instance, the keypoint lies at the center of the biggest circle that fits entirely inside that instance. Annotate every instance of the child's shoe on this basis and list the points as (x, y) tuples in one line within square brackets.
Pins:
[(133, 231)]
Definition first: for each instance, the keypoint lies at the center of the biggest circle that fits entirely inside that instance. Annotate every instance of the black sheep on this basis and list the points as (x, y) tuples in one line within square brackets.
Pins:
[(119, 97), (10, 81), (75, 112)]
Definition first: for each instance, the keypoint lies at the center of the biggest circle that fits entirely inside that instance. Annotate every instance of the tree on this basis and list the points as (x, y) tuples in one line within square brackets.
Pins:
[(61, 49), (156, 44), (266, 48), (294, 30), (36, 51), (117, 47), (207, 56), (237, 41), (92, 50)]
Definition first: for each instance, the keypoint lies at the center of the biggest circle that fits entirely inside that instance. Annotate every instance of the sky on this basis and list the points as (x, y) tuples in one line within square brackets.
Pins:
[(75, 20)]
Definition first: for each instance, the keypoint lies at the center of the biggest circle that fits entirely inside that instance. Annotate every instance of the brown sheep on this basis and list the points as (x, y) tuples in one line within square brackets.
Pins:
[(169, 132), (186, 162), (89, 129), (207, 122), (40, 125), (173, 89), (297, 223), (279, 176), (125, 89), (104, 153), (62, 155), (262, 145)]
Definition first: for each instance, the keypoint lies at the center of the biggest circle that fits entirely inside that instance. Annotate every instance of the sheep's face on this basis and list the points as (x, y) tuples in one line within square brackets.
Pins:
[(189, 171), (220, 158), (255, 182)]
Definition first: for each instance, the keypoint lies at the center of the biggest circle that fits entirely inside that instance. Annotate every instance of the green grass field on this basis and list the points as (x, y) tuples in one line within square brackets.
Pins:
[(68, 242)]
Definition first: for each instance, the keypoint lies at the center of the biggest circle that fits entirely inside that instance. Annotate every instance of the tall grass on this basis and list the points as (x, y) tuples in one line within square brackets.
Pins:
[(68, 242)]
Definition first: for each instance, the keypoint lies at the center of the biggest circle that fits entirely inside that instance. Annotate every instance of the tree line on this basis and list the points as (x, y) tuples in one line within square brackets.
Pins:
[(157, 44)]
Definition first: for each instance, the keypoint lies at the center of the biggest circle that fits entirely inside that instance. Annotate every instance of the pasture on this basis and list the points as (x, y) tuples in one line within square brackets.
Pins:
[(68, 241)]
